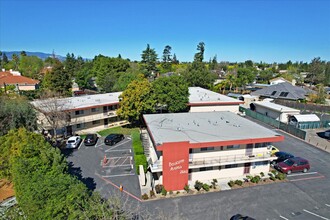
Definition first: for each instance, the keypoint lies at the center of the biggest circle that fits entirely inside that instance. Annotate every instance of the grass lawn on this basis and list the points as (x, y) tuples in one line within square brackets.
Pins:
[(139, 157)]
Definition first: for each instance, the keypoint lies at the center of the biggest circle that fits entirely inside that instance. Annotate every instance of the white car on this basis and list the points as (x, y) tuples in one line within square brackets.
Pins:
[(73, 142)]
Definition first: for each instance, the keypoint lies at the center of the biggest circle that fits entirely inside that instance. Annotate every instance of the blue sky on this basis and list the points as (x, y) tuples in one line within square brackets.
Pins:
[(234, 30)]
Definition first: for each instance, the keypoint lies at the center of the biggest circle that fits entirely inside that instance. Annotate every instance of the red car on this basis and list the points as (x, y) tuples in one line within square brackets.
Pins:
[(295, 164)]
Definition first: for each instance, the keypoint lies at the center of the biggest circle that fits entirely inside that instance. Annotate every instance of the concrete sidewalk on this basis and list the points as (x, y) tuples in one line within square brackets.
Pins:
[(315, 137)]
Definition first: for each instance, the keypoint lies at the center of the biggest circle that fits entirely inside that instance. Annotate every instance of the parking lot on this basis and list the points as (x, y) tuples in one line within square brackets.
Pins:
[(108, 166)]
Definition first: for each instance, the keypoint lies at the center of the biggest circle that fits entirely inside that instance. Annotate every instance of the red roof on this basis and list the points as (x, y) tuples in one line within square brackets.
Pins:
[(10, 79)]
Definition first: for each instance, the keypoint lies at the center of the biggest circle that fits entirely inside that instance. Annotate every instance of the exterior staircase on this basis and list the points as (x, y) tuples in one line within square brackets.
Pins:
[(145, 142)]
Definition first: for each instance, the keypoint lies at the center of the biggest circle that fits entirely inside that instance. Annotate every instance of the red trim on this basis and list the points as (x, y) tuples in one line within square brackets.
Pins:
[(214, 103), (89, 107)]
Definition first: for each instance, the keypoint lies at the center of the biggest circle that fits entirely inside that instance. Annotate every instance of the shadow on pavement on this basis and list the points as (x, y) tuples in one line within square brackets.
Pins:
[(67, 152), (321, 135), (76, 171)]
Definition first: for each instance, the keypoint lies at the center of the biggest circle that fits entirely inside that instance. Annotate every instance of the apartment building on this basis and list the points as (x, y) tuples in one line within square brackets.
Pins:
[(185, 147), (82, 114), (203, 100)]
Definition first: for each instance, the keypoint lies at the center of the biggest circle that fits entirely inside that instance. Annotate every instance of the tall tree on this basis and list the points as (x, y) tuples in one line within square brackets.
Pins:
[(4, 59), (58, 80), (70, 64), (213, 64), (23, 53), (149, 61), (171, 93), (175, 60), (136, 100), (16, 112), (167, 59), (199, 56), (15, 60), (31, 66), (316, 71)]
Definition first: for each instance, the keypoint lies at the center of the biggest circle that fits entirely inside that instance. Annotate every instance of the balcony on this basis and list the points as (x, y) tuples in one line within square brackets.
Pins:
[(92, 117), (219, 161)]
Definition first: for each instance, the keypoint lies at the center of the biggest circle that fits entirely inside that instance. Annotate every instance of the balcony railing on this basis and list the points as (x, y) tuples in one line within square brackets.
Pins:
[(219, 160), (93, 117)]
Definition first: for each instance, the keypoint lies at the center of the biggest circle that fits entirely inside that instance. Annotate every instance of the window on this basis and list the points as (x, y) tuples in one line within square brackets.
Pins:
[(207, 148), (284, 94), (233, 147), (204, 149), (205, 168), (79, 126), (260, 145), (96, 122), (80, 112), (273, 93), (231, 166), (261, 163), (95, 109)]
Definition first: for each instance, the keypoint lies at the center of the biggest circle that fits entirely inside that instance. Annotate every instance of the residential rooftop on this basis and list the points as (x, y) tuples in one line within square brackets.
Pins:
[(276, 107), (200, 95), (201, 127), (80, 102)]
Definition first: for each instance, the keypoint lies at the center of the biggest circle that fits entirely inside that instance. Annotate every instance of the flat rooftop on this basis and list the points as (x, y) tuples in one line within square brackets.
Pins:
[(78, 102), (201, 127), (201, 95), (276, 107)]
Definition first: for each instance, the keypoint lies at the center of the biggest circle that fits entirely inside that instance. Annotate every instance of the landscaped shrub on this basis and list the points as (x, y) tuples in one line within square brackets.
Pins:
[(256, 179), (164, 192), (214, 183), (231, 183), (186, 188), (274, 172), (198, 185), (177, 192), (249, 177), (262, 174), (206, 187), (239, 182), (272, 178), (281, 176), (171, 192), (159, 188), (152, 194), (145, 196)]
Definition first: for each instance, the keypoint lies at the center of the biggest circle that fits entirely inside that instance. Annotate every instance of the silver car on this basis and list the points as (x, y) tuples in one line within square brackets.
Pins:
[(73, 142)]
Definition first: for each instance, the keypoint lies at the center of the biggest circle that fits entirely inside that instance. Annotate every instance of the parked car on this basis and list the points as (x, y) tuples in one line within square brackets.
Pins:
[(241, 217), (90, 139), (73, 142), (296, 164), (112, 139), (282, 156), (273, 149)]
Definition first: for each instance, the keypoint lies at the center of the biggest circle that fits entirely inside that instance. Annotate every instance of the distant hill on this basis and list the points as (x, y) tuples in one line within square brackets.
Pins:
[(41, 55)]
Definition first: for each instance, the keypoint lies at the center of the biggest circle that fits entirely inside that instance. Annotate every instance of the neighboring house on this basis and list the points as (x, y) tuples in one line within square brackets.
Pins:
[(20, 82), (246, 98), (283, 90), (275, 111), (83, 114), (203, 100), (185, 147), (305, 121), (280, 80)]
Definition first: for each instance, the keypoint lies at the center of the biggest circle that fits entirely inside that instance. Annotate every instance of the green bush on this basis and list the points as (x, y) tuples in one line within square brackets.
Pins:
[(262, 174), (152, 194), (249, 177), (140, 160), (272, 178), (186, 188), (281, 176), (239, 182), (145, 196), (231, 183), (198, 185), (177, 192), (256, 179), (206, 187), (164, 192), (159, 188)]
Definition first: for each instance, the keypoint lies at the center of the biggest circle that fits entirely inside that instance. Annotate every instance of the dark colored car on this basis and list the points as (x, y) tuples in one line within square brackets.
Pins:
[(112, 139), (296, 164), (241, 217), (282, 156), (90, 140)]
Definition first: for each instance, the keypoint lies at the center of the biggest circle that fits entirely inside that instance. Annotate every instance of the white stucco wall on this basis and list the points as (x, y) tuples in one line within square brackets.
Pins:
[(277, 115)]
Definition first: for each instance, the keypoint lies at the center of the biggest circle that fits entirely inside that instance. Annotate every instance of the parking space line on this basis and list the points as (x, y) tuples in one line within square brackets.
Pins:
[(117, 145), (128, 174), (122, 165), (309, 178), (301, 174), (282, 217), (315, 214), (327, 205), (130, 151)]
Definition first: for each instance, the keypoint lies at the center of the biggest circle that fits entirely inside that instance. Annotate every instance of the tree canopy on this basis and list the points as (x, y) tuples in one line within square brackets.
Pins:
[(149, 61)]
